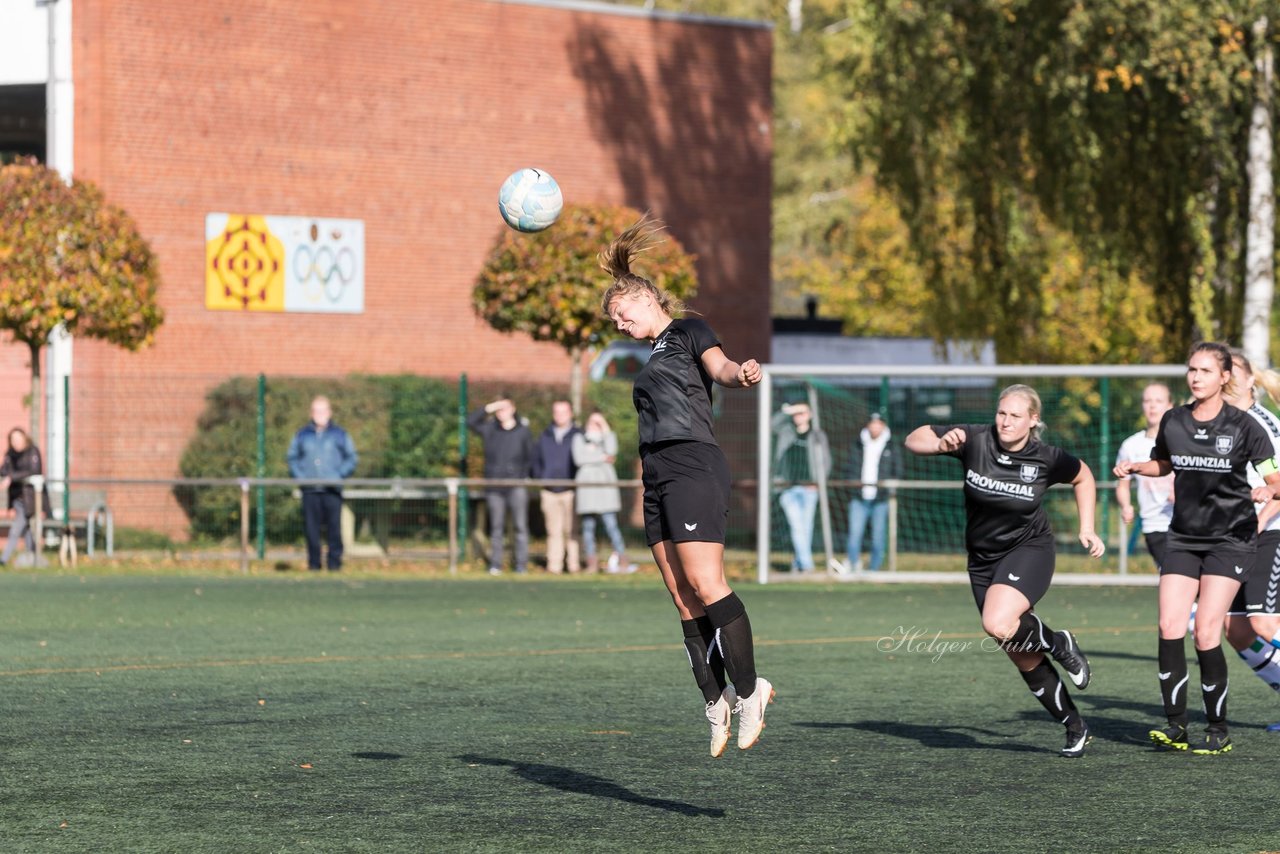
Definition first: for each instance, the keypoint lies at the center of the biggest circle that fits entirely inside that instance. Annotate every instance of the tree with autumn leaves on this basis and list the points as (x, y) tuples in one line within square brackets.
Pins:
[(548, 285), (69, 258)]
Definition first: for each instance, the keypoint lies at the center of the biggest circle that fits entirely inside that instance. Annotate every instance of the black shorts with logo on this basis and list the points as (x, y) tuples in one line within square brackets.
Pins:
[(1028, 569), (1226, 560), (1260, 594), (686, 493)]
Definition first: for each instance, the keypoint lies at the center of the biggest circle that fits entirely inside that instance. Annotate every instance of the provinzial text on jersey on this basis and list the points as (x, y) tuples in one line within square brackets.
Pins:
[(1187, 461), (987, 484)]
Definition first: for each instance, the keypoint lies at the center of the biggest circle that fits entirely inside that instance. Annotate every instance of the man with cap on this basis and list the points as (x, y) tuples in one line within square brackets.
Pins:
[(874, 459)]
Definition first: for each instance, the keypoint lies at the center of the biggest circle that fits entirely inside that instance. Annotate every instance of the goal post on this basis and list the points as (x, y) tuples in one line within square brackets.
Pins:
[(1088, 411)]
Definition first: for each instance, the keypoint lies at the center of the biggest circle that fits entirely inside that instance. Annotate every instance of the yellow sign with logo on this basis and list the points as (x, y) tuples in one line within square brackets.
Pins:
[(244, 267), (283, 263)]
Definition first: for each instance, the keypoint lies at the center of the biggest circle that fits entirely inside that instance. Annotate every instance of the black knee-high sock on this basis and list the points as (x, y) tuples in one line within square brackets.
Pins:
[(733, 637), (1032, 635), (714, 659), (1047, 687), (1213, 681), (698, 634), (1173, 679)]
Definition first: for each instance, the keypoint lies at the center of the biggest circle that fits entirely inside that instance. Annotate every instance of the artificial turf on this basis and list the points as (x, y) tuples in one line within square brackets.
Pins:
[(160, 713)]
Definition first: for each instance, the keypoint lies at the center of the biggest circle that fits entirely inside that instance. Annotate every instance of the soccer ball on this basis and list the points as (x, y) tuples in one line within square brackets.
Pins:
[(530, 200)]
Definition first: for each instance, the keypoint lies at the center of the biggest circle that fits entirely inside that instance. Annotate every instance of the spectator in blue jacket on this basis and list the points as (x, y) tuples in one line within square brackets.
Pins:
[(553, 460), (322, 451)]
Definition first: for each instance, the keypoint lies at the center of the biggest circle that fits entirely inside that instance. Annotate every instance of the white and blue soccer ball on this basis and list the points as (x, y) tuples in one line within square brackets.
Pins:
[(530, 200)]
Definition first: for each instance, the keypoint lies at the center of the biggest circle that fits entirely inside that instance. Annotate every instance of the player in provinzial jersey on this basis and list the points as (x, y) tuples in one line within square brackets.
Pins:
[(1008, 470), (1208, 445), (686, 485), (1253, 621)]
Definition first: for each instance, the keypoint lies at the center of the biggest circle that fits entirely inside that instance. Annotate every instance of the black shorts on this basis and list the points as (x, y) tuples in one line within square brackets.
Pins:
[(1226, 560), (1157, 545), (686, 493), (1027, 569), (1260, 594)]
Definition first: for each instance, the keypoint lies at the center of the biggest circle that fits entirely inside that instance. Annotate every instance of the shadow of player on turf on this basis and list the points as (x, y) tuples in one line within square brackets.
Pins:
[(568, 780), (928, 735)]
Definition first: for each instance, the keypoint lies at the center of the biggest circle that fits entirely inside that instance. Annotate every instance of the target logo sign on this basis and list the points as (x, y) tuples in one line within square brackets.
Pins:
[(278, 263)]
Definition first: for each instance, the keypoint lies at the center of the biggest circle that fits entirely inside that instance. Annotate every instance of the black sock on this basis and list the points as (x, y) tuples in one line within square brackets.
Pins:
[(733, 638), (714, 659), (1048, 688), (696, 645), (1173, 679), (1032, 635), (1213, 682)]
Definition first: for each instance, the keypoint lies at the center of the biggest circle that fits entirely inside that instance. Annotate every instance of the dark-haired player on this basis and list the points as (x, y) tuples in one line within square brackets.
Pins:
[(686, 485), (1208, 445), (1007, 471)]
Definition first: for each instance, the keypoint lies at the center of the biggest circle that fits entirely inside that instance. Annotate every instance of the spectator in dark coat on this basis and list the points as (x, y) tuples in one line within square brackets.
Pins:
[(22, 461), (508, 455)]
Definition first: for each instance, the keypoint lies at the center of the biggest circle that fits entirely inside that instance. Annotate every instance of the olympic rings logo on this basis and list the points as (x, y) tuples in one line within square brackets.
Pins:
[(332, 271)]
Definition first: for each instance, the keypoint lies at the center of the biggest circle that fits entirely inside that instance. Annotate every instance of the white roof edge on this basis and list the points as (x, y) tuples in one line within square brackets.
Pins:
[(639, 12)]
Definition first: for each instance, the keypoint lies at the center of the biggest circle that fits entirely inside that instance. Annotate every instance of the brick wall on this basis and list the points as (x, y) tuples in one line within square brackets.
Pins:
[(406, 114)]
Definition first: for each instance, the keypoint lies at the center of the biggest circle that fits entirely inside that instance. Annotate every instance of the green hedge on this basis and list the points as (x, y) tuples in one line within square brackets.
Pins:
[(403, 426)]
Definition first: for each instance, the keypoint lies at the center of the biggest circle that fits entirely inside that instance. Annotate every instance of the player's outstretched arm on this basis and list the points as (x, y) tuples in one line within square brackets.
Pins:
[(729, 373), (1146, 468), (1086, 502), (925, 442)]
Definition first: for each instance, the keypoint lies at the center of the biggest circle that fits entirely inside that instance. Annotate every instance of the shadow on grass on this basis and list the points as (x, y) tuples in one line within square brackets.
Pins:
[(374, 754), (568, 780), (928, 735)]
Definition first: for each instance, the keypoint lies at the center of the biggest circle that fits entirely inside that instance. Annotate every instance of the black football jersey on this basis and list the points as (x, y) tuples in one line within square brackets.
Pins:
[(1003, 490), (672, 394), (1210, 459)]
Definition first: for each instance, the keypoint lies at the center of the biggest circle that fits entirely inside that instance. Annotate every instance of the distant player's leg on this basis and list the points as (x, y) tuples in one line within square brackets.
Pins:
[(1216, 594), (1177, 593)]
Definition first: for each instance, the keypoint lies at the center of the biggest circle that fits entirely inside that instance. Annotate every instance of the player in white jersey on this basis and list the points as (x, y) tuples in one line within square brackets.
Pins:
[(1155, 494), (1253, 621)]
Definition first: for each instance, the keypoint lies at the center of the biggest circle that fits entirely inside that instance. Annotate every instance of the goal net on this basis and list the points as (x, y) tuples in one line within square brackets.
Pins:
[(1087, 411)]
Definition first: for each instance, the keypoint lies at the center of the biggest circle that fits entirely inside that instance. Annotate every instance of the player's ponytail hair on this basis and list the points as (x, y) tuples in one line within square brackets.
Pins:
[(1033, 405), (1223, 354), (616, 260), (1265, 378)]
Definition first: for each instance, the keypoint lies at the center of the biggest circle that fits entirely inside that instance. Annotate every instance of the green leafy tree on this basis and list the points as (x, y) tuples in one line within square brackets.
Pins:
[(548, 284), (69, 258), (1119, 124)]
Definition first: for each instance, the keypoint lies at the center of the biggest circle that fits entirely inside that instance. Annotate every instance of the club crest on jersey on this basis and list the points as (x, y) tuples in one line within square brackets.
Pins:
[(1222, 444), (1028, 473)]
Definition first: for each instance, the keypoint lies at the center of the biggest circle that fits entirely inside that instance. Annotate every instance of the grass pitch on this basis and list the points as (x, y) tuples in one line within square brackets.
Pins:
[(148, 713)]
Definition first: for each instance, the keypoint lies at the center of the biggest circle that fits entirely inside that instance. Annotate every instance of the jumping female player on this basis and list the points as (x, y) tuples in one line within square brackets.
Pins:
[(1011, 551), (1208, 445), (686, 484)]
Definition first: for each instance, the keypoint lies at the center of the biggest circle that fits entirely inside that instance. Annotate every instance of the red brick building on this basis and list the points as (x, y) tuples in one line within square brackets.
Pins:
[(407, 115)]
